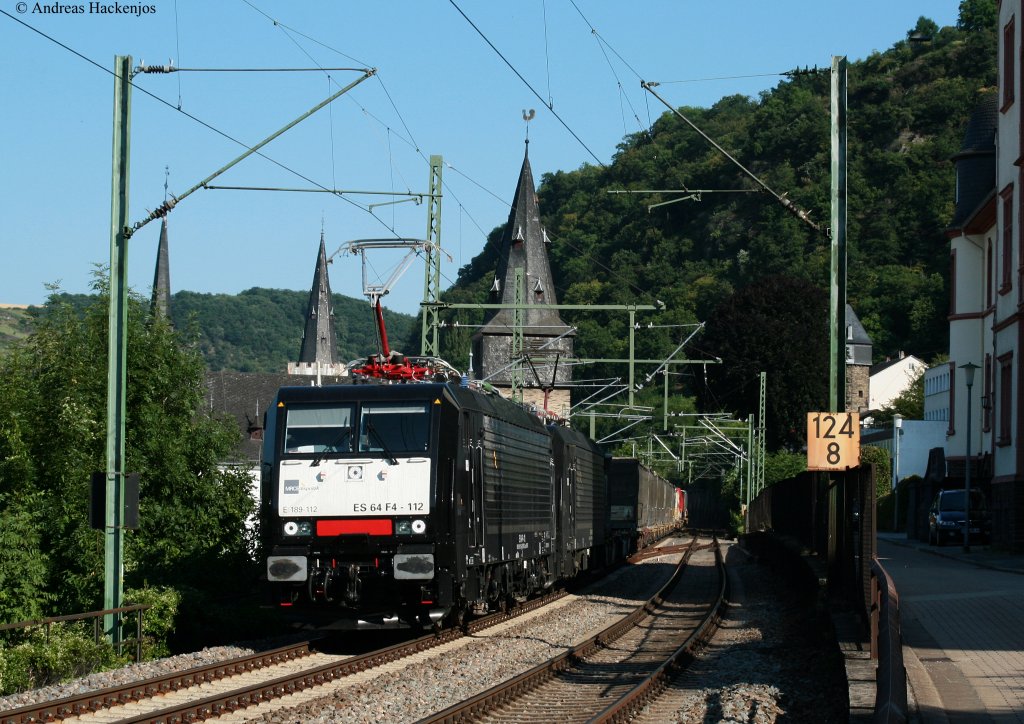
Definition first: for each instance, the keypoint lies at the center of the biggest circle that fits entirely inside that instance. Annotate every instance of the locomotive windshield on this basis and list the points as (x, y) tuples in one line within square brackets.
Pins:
[(319, 429), (383, 427), (390, 427)]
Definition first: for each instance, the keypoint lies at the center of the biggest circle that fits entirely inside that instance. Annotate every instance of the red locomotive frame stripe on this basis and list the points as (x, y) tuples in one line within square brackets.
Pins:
[(378, 526)]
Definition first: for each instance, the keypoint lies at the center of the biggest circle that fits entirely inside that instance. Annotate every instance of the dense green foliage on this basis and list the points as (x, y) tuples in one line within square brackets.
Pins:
[(773, 325), (879, 457), (40, 658), (908, 108), (52, 437), (782, 465)]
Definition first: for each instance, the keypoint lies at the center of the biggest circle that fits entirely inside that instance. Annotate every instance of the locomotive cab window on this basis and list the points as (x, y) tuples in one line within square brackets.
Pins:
[(394, 427), (319, 429)]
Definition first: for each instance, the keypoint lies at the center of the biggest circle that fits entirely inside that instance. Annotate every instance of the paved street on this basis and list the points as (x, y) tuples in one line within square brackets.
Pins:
[(963, 635)]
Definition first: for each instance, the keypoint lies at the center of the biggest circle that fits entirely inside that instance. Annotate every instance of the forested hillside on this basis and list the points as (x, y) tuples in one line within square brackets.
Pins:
[(259, 330), (908, 107)]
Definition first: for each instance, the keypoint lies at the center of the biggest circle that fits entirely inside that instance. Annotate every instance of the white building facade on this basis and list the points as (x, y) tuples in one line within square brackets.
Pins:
[(892, 378), (987, 293)]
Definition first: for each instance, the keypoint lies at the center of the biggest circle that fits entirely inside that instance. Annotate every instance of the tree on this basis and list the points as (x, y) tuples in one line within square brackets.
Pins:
[(52, 436), (782, 465), (23, 564), (777, 325), (978, 15)]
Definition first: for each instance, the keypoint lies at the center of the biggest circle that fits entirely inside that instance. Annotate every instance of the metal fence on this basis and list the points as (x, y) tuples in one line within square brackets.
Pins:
[(97, 618)]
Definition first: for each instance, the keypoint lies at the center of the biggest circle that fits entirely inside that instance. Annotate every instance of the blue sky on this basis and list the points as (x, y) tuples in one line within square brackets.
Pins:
[(440, 89)]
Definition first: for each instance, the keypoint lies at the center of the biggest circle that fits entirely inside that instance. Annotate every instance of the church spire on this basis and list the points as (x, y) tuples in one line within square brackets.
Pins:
[(547, 341), (524, 245), (319, 341), (160, 305)]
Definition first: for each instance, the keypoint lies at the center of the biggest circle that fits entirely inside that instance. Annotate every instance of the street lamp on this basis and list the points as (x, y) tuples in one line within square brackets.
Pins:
[(968, 369), (897, 430)]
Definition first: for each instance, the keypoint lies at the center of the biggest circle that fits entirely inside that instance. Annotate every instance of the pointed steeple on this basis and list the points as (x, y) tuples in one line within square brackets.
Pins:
[(319, 341), (160, 304), (547, 341), (524, 245)]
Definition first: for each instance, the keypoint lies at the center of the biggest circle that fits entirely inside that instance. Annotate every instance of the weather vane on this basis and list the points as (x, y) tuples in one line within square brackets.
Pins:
[(528, 116)]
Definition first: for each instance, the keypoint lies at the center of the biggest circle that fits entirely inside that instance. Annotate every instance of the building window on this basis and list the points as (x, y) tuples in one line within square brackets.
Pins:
[(950, 429), (1007, 235), (952, 282), (986, 400), (1005, 398), (1020, 257), (1009, 58), (990, 274)]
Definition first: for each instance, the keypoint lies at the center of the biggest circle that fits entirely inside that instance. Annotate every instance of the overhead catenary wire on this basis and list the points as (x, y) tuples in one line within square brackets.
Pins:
[(781, 198), (168, 205), (724, 77), (547, 54), (602, 45), (412, 143), (330, 123), (527, 84), (286, 29), (171, 68), (602, 40), (177, 47), (163, 209), (408, 139)]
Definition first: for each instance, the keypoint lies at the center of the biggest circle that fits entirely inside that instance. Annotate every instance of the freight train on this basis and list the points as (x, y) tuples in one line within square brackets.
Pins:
[(417, 505)]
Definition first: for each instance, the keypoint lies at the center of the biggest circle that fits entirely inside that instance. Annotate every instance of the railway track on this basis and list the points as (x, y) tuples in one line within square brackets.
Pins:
[(614, 673), (223, 688), (213, 690)]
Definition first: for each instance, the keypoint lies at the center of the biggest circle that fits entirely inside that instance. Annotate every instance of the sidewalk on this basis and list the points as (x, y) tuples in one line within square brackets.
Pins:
[(980, 555), (963, 636)]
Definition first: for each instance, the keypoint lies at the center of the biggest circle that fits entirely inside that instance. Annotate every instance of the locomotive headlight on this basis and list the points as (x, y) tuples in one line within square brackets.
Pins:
[(419, 526), (403, 527), (300, 527)]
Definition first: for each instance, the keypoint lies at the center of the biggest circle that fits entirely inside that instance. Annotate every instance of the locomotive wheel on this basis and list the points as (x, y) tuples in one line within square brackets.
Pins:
[(458, 615)]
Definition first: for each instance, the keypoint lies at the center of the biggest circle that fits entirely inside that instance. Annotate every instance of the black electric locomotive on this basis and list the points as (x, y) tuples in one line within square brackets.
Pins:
[(415, 504)]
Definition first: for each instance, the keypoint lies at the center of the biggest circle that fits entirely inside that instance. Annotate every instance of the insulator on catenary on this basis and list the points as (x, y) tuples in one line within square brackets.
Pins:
[(156, 69)]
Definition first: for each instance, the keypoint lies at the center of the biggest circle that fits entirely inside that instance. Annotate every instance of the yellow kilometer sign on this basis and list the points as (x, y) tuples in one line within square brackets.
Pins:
[(833, 440)]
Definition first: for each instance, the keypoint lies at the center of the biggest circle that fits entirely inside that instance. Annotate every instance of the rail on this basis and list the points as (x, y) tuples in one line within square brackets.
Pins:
[(477, 707), (887, 648), (655, 683)]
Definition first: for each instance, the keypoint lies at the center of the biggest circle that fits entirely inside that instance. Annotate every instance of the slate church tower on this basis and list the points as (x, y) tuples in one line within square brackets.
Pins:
[(547, 341)]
